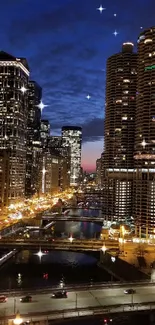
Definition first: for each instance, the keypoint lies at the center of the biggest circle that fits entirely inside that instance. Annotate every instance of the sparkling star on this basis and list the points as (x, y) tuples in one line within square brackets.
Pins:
[(41, 106), (101, 9), (115, 33), (23, 89), (115, 15), (88, 97), (141, 27), (143, 143)]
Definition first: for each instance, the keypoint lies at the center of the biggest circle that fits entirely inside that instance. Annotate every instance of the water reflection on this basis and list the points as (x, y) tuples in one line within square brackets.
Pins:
[(53, 266)]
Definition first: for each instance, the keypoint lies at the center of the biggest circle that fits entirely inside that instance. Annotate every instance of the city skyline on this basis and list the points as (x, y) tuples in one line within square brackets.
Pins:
[(81, 37)]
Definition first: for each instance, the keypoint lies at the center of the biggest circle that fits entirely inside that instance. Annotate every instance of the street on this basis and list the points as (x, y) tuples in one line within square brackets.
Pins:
[(79, 299)]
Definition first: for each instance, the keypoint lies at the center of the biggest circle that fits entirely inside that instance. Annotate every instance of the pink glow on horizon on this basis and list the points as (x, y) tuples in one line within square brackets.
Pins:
[(91, 151)]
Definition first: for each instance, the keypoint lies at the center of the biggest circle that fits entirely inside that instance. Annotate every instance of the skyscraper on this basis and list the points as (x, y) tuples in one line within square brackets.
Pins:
[(44, 132), (71, 139), (14, 73), (119, 133), (33, 139), (144, 153)]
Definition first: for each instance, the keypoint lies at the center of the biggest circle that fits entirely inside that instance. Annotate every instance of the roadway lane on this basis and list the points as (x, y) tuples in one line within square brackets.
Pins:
[(80, 299)]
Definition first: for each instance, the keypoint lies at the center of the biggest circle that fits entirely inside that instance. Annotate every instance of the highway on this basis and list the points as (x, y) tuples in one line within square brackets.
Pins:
[(79, 299)]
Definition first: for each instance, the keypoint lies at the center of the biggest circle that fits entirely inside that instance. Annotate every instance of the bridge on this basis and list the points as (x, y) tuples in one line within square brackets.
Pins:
[(74, 218), (90, 301), (60, 244)]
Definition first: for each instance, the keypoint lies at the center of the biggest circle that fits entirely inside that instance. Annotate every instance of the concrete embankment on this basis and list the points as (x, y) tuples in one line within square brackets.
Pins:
[(120, 269)]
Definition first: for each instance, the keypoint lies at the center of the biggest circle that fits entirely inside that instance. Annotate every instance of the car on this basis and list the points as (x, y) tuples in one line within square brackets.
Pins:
[(3, 298), (59, 294), (129, 291), (26, 299)]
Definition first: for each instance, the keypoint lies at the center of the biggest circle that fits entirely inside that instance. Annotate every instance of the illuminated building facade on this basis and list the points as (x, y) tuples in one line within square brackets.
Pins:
[(72, 139), (119, 134), (50, 172), (98, 172), (144, 151), (14, 73), (33, 154), (4, 177), (44, 132), (55, 146)]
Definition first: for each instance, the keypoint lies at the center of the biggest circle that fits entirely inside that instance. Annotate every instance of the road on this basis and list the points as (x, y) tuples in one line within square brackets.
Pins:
[(79, 299)]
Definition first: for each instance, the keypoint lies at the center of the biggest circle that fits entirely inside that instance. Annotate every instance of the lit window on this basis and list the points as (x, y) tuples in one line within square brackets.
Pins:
[(124, 118)]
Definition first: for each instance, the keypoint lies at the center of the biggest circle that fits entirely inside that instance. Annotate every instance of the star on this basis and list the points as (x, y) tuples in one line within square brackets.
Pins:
[(88, 97), (41, 106), (115, 15), (115, 32), (101, 9), (141, 27), (23, 89)]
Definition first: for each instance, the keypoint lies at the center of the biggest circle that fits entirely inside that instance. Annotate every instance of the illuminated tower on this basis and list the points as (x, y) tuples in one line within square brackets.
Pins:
[(119, 133), (144, 154), (44, 132), (33, 139), (14, 73), (71, 139)]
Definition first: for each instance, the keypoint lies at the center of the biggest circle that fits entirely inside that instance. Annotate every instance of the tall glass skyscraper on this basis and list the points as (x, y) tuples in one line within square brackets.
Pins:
[(33, 139), (72, 139), (119, 134), (14, 73)]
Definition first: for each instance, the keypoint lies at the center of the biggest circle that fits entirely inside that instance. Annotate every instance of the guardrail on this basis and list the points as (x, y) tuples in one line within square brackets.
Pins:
[(59, 244), (82, 312), (76, 287)]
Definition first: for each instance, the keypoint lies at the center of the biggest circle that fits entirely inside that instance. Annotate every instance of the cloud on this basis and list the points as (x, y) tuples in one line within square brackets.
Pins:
[(93, 130)]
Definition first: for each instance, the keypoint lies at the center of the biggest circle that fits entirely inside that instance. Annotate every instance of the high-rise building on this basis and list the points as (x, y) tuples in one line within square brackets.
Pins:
[(14, 73), (33, 139), (4, 177), (71, 139), (98, 171), (144, 153), (119, 133), (44, 132)]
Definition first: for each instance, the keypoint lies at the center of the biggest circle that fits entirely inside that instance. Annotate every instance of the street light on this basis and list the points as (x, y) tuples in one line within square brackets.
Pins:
[(103, 249), (71, 239), (18, 320)]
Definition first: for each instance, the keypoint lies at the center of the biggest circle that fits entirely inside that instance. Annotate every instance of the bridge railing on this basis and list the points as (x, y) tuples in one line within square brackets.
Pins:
[(75, 287), (81, 312)]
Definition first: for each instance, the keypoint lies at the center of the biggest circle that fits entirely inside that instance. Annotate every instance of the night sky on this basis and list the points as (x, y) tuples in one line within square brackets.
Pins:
[(67, 43)]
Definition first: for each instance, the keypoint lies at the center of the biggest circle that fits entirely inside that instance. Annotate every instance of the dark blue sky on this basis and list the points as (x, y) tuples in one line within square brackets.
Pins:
[(67, 43)]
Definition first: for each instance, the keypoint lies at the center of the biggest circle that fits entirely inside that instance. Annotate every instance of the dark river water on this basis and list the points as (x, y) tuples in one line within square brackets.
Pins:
[(27, 270)]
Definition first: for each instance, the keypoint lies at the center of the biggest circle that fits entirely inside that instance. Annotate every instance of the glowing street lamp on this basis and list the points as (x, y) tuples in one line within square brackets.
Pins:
[(18, 320), (40, 254), (71, 239), (103, 249)]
